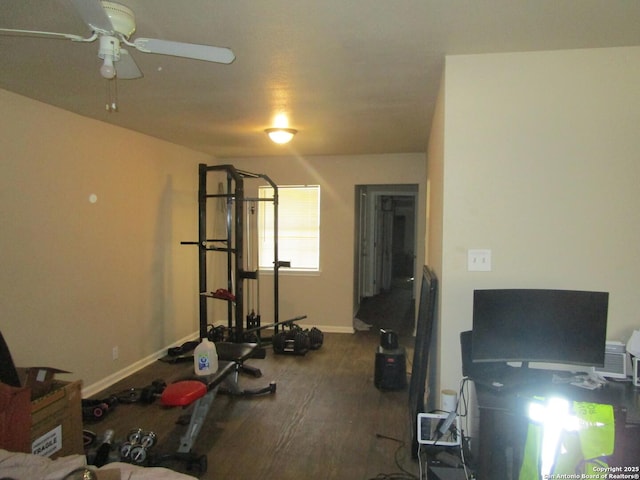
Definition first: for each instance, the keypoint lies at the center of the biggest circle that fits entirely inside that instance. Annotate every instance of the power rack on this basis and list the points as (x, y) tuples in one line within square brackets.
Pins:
[(233, 245)]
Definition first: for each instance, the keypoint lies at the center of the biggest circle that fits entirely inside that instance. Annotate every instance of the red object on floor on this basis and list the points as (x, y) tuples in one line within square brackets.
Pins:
[(183, 393)]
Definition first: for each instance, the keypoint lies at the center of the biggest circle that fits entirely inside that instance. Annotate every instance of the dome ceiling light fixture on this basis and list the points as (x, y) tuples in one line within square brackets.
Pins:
[(281, 135)]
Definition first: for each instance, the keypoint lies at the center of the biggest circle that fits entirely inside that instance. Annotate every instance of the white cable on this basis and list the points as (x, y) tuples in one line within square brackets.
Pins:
[(464, 462)]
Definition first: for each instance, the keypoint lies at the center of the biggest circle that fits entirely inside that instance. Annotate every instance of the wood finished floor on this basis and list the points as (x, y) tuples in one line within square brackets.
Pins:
[(322, 423), (393, 309)]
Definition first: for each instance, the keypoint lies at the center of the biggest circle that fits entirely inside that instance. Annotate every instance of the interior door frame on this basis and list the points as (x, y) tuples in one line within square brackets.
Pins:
[(369, 217)]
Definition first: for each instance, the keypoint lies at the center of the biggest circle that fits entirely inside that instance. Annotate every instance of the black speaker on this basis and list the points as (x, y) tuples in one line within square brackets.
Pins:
[(465, 347), (390, 369)]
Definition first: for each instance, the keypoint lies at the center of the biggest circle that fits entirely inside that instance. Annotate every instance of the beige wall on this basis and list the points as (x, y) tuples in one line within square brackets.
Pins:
[(79, 278), (540, 166)]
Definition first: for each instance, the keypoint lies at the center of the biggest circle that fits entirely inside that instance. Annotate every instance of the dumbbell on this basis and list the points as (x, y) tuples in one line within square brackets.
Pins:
[(293, 341), (316, 337), (135, 449), (153, 391)]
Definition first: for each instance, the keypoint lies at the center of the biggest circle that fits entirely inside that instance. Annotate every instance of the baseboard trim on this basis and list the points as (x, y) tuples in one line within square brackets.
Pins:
[(336, 329), (106, 382), (133, 368)]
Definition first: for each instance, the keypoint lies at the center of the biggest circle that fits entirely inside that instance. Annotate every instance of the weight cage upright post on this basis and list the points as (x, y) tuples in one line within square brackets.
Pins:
[(202, 247)]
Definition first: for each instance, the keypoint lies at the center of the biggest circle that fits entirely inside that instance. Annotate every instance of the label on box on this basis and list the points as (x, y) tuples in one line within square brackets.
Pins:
[(42, 375), (49, 443)]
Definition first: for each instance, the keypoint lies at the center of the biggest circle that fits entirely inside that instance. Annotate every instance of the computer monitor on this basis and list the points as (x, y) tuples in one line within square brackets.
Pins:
[(534, 325)]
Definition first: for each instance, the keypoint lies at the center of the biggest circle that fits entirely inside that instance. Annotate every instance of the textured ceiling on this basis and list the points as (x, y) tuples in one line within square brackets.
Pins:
[(354, 77)]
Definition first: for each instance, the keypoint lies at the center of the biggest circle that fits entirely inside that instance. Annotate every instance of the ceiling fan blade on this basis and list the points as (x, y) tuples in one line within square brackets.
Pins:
[(35, 33), (126, 67), (186, 50), (94, 15)]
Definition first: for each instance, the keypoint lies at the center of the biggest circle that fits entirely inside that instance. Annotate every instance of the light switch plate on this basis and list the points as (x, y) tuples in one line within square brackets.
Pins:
[(479, 260)]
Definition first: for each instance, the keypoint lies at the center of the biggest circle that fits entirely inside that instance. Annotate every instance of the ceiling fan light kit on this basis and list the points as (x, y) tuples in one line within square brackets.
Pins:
[(110, 52), (281, 135)]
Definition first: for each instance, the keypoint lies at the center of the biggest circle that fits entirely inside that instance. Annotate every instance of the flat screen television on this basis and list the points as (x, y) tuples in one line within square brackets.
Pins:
[(532, 325)]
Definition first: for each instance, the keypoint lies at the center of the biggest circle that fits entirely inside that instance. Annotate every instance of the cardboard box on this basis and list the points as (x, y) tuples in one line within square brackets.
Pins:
[(15, 418), (38, 379), (56, 421)]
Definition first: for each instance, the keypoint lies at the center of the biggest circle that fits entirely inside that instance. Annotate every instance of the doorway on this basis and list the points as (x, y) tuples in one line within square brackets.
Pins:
[(385, 257)]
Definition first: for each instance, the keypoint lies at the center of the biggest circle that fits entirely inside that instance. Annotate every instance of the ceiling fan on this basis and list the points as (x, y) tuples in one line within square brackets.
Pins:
[(113, 24)]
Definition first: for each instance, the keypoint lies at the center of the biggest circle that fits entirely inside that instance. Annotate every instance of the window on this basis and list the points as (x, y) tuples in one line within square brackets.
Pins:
[(298, 227)]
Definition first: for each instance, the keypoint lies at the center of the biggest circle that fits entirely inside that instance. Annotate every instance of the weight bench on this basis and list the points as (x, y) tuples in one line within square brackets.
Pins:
[(199, 393), (239, 352)]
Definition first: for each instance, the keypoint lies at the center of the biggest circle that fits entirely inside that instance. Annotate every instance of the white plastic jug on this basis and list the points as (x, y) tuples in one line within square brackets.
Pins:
[(205, 358)]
